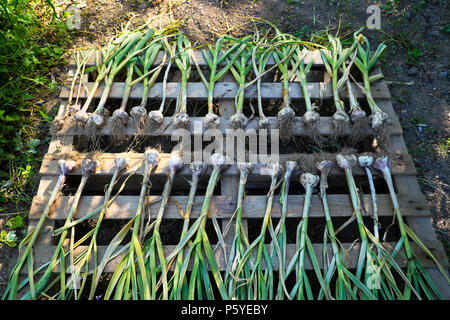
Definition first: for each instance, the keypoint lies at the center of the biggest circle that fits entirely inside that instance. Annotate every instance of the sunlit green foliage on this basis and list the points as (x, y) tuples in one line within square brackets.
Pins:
[(32, 41)]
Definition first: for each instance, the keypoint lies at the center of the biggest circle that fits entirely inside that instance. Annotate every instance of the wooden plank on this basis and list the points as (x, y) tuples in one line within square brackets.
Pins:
[(46, 185), (44, 237), (167, 128), (42, 254), (226, 90), (201, 61), (49, 167), (61, 144), (124, 207)]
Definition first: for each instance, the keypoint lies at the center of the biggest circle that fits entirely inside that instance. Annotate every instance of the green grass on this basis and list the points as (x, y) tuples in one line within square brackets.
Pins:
[(443, 148), (32, 41)]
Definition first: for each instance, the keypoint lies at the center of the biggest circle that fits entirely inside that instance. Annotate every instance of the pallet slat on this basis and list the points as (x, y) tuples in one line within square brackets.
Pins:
[(124, 207), (227, 90), (351, 257), (200, 59)]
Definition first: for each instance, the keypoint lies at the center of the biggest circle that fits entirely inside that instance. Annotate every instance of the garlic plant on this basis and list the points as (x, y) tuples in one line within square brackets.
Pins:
[(416, 273), (88, 167), (179, 285), (132, 46), (128, 280), (260, 284), (240, 241), (184, 48), (366, 161), (81, 61), (82, 260), (264, 55), (156, 117), (302, 287), (346, 281), (216, 56), (333, 60), (375, 264), (139, 113), (104, 60), (380, 120), (199, 283), (347, 162), (119, 117), (284, 50), (153, 247), (65, 166), (280, 230), (359, 119), (240, 70), (311, 118)]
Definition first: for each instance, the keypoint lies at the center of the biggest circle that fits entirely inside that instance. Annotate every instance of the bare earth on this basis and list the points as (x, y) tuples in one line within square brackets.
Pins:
[(422, 104)]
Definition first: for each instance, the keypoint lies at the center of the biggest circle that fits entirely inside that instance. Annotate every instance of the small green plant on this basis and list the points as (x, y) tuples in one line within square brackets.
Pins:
[(401, 100), (10, 237), (303, 33), (390, 6), (14, 223), (418, 120), (443, 148), (445, 29), (417, 5), (414, 55)]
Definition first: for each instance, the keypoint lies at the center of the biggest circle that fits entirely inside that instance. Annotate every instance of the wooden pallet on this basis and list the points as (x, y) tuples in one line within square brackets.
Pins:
[(412, 202)]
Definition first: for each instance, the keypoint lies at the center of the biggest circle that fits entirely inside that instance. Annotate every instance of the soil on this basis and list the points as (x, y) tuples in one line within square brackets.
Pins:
[(416, 63)]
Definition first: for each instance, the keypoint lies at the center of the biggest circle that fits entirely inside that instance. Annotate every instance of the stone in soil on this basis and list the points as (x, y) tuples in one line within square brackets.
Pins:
[(412, 71)]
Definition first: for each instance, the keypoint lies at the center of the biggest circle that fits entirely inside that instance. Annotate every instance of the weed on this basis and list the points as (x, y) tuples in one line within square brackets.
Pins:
[(10, 237), (414, 55), (445, 29), (443, 148), (417, 6), (390, 7)]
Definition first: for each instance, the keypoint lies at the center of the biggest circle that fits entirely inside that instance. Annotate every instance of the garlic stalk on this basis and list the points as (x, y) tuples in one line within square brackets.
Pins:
[(415, 271), (179, 285), (240, 241), (88, 167), (199, 283), (366, 162), (153, 246), (126, 272), (65, 167)]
